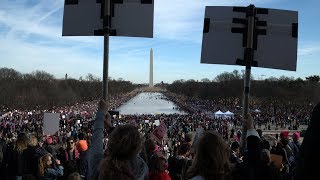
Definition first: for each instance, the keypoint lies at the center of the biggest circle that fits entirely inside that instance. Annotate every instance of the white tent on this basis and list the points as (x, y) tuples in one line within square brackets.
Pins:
[(219, 114), (229, 114), (257, 111)]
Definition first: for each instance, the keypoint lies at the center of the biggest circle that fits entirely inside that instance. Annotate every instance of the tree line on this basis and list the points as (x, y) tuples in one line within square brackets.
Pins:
[(272, 93), (40, 89)]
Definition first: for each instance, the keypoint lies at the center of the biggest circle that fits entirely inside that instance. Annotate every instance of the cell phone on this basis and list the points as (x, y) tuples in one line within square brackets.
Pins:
[(114, 113)]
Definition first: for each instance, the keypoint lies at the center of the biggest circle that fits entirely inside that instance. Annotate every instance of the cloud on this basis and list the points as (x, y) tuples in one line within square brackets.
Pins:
[(29, 57), (308, 50), (31, 39), (26, 20), (182, 20)]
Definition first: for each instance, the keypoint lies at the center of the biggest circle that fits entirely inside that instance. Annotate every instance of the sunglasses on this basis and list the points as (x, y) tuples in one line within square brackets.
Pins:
[(71, 142)]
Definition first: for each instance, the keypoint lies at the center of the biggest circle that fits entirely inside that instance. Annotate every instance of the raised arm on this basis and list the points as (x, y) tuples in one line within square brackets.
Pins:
[(253, 146), (96, 148)]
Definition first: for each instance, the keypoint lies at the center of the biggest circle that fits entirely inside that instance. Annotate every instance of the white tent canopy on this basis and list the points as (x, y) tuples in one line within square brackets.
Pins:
[(219, 114), (229, 114), (257, 111)]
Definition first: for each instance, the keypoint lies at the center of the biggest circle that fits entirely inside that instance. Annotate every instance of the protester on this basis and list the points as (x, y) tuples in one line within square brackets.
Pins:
[(16, 160), (74, 176), (122, 160), (309, 155), (235, 156), (82, 147), (47, 169), (180, 163), (212, 158), (70, 157), (158, 168), (80, 123)]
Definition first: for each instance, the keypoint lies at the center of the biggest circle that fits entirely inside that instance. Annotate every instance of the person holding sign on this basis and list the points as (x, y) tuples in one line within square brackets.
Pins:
[(124, 145), (256, 161)]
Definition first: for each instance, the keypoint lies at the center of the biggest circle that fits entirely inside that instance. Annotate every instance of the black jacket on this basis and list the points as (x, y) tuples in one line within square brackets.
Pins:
[(309, 155), (84, 165)]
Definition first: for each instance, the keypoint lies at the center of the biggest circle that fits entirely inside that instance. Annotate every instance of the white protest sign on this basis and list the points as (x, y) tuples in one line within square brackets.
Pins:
[(157, 122), (51, 123)]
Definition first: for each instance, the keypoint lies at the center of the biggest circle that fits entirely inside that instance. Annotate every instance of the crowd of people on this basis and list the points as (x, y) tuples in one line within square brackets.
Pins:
[(92, 144)]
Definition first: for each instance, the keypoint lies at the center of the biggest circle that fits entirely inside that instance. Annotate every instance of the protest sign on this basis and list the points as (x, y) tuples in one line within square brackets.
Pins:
[(277, 159), (159, 133), (157, 122), (51, 123)]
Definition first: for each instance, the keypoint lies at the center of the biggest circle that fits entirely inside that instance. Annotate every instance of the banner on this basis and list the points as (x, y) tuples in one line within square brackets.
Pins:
[(159, 133), (51, 123)]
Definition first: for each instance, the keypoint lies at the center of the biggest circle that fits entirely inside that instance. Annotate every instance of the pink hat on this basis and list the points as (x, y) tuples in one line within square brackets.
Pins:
[(284, 134), (49, 140), (296, 135)]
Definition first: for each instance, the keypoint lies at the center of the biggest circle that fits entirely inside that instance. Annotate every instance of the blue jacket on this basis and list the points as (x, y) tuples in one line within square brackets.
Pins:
[(52, 173)]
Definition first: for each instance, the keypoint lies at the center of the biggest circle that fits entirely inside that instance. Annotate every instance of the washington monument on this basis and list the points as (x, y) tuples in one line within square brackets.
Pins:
[(151, 69)]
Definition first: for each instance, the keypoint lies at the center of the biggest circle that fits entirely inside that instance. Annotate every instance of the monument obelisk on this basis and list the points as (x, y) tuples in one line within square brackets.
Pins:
[(151, 69)]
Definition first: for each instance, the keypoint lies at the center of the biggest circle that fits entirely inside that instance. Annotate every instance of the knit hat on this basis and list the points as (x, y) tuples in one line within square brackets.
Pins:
[(284, 135), (82, 145), (296, 135)]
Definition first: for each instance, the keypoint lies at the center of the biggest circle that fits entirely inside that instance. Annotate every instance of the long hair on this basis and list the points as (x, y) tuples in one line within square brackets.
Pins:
[(157, 164), (33, 141), (148, 150), (42, 164), (21, 143), (124, 144), (74, 176), (212, 158)]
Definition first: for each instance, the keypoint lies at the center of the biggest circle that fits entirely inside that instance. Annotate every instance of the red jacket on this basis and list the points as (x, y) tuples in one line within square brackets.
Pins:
[(159, 176)]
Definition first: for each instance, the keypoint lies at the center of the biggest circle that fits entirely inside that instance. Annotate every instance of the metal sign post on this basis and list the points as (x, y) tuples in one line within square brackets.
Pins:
[(106, 28), (248, 60)]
